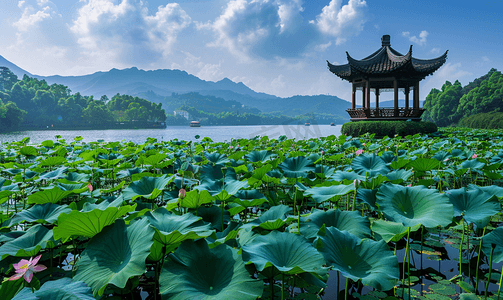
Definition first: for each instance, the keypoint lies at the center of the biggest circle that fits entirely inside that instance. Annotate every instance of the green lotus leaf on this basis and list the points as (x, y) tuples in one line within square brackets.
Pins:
[(52, 175), (88, 223), (212, 215), (53, 195), (154, 160), (475, 206), (324, 193), (171, 229), (213, 173), (343, 175), (198, 272), (77, 177), (296, 167), (367, 196), (369, 163), (52, 161), (76, 188), (494, 239), (415, 205), (10, 235), (42, 213), (259, 174), (147, 187), (368, 260), (195, 199), (115, 254), (28, 244), (216, 158), (260, 156), (289, 253), (61, 289), (272, 219), (422, 164), (28, 151), (491, 189), (472, 164), (216, 187), (391, 231), (351, 221), (399, 176)]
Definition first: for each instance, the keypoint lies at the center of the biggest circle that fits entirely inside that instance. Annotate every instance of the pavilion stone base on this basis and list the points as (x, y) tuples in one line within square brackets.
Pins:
[(385, 114)]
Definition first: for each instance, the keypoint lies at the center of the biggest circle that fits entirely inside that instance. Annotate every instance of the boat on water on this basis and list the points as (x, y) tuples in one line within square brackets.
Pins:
[(195, 124), (332, 124), (307, 124)]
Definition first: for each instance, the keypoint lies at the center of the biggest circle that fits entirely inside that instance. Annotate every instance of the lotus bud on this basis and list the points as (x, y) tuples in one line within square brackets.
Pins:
[(182, 193), (357, 183), (322, 152), (90, 186), (474, 156), (359, 151)]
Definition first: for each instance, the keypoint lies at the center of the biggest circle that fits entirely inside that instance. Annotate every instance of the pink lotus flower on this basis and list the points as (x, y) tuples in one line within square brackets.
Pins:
[(26, 268), (182, 193), (359, 151), (322, 152), (409, 185), (474, 156), (231, 147)]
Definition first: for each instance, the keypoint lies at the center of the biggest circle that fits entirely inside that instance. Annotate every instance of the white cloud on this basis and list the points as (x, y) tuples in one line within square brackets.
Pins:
[(448, 72), (344, 21), (485, 59), (420, 41), (205, 71), (435, 50), (32, 17), (262, 28), (126, 32), (278, 82)]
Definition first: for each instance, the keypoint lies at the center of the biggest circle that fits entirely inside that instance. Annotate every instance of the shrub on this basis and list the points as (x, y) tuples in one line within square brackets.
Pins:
[(492, 120), (387, 128)]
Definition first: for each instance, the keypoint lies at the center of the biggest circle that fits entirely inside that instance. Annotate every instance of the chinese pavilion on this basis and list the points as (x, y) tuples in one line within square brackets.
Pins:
[(386, 70)]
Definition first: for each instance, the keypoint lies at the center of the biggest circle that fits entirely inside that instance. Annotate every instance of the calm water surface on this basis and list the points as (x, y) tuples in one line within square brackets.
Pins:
[(216, 133)]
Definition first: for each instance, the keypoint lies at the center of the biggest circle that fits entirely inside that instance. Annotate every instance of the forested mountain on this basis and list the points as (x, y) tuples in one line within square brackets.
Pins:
[(32, 104), (454, 103)]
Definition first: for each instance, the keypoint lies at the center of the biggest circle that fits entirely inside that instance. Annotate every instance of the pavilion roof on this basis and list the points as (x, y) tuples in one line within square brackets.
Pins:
[(387, 62)]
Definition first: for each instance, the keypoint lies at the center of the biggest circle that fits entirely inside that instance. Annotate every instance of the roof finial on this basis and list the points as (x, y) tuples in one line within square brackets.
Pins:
[(386, 40)]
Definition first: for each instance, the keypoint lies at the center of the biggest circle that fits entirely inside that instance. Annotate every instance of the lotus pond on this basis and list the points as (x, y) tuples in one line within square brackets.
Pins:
[(345, 217)]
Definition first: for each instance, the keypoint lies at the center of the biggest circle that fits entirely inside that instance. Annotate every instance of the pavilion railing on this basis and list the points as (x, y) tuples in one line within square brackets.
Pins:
[(370, 113)]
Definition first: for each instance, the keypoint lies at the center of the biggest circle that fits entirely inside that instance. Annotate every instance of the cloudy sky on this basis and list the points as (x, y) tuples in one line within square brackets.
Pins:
[(278, 47)]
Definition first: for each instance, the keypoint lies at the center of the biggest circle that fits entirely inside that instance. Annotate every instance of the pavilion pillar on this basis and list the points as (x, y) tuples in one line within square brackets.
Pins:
[(353, 98), (377, 103), (407, 91), (367, 88), (363, 96), (395, 87), (415, 99)]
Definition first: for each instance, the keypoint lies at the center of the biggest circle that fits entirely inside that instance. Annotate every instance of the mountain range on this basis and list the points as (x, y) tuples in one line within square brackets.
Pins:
[(159, 85)]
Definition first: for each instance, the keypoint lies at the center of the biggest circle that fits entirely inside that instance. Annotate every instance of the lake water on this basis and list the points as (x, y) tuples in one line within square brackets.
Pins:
[(216, 133)]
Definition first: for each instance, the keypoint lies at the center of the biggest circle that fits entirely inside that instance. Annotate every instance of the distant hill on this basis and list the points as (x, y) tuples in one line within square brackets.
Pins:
[(14, 69), (158, 84)]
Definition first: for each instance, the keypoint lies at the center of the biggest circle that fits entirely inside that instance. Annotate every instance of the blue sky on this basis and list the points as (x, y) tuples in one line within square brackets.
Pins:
[(278, 47)]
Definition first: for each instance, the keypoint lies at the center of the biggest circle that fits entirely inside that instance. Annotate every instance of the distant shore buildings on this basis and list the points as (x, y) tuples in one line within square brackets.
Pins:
[(182, 113)]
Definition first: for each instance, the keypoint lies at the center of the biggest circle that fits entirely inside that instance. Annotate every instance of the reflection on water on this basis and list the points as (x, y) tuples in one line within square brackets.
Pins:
[(216, 133)]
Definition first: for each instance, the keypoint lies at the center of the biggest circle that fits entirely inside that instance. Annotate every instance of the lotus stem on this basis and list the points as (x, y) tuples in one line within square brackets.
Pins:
[(282, 285), (478, 261), (346, 291), (272, 287), (499, 288), (461, 244), (408, 266), (337, 282), (490, 269), (404, 260)]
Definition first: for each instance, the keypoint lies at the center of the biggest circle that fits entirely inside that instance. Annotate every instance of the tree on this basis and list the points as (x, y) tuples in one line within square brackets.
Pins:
[(7, 79)]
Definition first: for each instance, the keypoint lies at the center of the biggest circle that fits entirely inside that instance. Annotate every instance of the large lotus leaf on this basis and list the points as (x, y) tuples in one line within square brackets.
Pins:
[(367, 196), (212, 215), (324, 193), (88, 223), (415, 205), (171, 229), (369, 163), (472, 164), (74, 187), (195, 199), (61, 289), (212, 173), (53, 161), (147, 187), (216, 187), (217, 158), (475, 206), (77, 177), (28, 151), (48, 196), (424, 164), (491, 189), (260, 156), (114, 255), (390, 231), (28, 244), (42, 213), (154, 160), (198, 272), (289, 253), (295, 167), (399, 176), (351, 221), (494, 239), (368, 260), (272, 219), (52, 175)]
